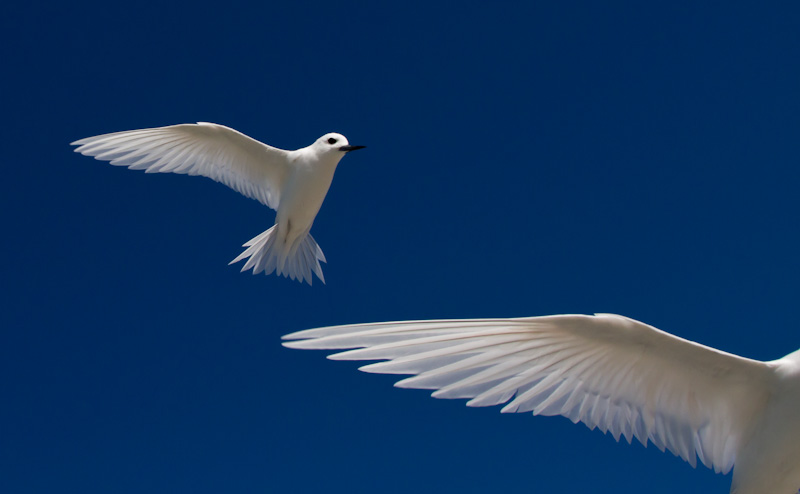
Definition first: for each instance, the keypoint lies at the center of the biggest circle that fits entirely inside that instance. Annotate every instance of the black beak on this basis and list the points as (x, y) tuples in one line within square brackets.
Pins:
[(350, 148)]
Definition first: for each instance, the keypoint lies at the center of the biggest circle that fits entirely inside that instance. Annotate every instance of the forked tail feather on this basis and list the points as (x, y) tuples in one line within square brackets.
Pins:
[(265, 254)]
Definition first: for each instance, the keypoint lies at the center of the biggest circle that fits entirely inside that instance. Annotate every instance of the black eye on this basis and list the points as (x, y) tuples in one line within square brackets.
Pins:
[(331, 140)]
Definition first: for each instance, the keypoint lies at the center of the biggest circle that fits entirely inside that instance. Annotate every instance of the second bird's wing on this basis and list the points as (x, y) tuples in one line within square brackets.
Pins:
[(610, 372), (220, 153)]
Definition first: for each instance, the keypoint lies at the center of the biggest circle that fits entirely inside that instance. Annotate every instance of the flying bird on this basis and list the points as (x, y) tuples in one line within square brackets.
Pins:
[(607, 371), (294, 183)]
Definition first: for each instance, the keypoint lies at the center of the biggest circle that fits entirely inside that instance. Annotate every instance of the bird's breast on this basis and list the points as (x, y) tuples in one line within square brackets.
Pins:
[(304, 194)]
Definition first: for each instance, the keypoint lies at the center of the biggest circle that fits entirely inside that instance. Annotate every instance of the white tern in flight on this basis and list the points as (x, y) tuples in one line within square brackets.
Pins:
[(609, 372), (294, 183)]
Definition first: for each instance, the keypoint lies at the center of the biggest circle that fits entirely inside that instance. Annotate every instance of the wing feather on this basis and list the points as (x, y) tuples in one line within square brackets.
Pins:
[(220, 153), (609, 372)]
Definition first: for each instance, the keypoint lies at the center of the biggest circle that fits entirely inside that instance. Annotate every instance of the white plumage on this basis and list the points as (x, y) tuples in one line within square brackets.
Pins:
[(607, 371), (294, 183)]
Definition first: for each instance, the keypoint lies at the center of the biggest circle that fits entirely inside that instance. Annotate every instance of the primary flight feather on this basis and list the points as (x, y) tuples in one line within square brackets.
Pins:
[(294, 183), (607, 371)]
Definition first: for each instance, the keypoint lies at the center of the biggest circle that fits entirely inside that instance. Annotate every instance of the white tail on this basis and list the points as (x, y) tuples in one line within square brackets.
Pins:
[(267, 255)]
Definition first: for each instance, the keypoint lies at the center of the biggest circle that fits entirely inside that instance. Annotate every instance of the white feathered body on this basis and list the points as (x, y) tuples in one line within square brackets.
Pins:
[(303, 194), (769, 459)]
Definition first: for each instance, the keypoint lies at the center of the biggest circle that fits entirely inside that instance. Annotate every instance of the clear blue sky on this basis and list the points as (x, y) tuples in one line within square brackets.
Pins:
[(523, 159)]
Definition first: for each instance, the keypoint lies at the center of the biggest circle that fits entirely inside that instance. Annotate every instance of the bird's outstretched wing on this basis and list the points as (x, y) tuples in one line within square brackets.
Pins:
[(607, 371), (220, 153)]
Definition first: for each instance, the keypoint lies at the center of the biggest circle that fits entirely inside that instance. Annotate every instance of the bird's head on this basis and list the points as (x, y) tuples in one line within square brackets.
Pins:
[(335, 144)]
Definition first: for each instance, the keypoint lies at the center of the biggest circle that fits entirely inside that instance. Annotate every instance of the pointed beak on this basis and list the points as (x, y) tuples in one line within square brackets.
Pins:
[(350, 148)]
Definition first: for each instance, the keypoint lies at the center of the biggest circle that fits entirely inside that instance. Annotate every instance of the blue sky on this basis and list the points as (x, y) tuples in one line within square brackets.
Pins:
[(523, 159)]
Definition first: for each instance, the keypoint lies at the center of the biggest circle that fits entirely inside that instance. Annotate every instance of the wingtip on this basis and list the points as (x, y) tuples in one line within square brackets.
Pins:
[(297, 335)]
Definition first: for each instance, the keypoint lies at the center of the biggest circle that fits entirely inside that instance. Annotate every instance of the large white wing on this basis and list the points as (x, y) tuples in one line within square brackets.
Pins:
[(220, 153), (607, 371)]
